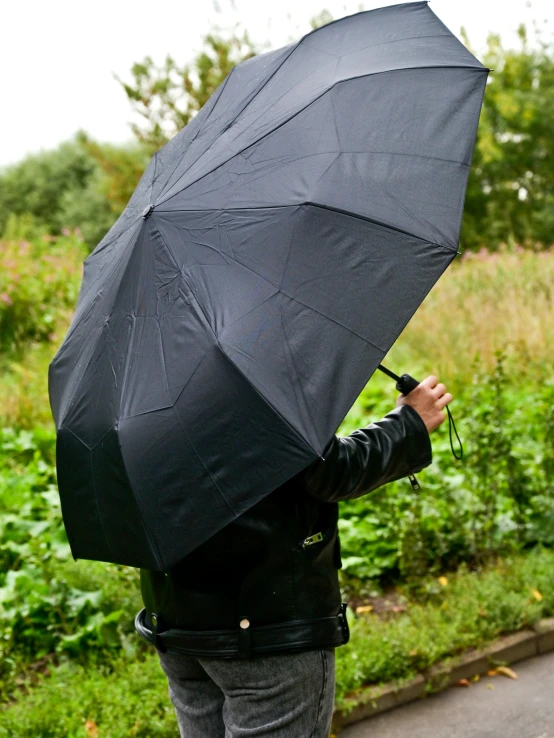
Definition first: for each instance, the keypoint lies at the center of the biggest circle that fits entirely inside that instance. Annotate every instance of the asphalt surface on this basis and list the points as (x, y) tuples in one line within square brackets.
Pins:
[(512, 709)]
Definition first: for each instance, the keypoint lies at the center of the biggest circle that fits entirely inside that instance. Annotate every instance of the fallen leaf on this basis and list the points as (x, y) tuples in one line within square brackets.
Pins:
[(463, 683), (475, 677), (537, 595), (91, 729), (443, 581), (506, 671), (490, 686), (398, 608), (492, 672), (363, 608)]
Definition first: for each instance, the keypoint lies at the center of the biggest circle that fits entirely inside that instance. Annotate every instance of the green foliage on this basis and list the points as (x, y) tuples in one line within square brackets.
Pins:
[(125, 698), (47, 605), (80, 185), (128, 696), (469, 609), (510, 196), (38, 184), (167, 96), (39, 285), (498, 499)]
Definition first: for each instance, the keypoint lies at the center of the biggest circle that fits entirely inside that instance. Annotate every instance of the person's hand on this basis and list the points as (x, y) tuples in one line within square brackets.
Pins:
[(429, 399)]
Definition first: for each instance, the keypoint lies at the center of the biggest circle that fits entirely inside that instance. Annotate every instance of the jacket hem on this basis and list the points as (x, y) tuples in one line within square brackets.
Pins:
[(296, 635)]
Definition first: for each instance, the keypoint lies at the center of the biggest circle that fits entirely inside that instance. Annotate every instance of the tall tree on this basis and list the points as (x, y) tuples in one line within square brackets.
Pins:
[(510, 194), (167, 96)]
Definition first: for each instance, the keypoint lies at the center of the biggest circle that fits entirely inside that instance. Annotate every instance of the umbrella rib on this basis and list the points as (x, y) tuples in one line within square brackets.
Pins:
[(401, 153), (306, 405), (193, 139), (392, 41), (354, 333), (219, 346), (204, 465), (380, 223), (266, 401), (305, 107), (237, 115)]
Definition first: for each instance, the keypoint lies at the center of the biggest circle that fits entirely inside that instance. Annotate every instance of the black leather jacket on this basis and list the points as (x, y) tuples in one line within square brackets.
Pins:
[(269, 581)]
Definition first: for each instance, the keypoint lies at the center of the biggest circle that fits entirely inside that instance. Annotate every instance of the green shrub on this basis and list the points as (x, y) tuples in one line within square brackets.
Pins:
[(39, 285), (127, 698), (468, 609)]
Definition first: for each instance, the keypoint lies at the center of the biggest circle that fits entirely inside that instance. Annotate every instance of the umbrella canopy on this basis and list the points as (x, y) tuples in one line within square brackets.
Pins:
[(272, 253)]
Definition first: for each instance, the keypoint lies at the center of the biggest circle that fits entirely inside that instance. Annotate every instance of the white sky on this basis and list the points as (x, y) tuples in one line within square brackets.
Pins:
[(58, 57)]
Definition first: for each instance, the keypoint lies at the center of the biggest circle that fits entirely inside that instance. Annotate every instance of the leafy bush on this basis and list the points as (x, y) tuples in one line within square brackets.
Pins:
[(499, 499), (39, 285), (80, 184), (50, 605), (468, 609), (126, 698)]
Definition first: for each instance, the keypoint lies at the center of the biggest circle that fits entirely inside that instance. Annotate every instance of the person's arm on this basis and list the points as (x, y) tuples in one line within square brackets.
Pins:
[(392, 448)]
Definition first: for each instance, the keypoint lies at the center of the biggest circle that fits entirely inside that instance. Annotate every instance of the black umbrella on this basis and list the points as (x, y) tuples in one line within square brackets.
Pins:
[(271, 255)]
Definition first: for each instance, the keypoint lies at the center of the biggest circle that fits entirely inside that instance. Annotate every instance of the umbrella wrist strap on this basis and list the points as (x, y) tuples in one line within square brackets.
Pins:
[(406, 384)]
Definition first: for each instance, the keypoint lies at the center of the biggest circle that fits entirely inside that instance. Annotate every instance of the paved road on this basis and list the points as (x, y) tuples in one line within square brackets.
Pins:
[(513, 709)]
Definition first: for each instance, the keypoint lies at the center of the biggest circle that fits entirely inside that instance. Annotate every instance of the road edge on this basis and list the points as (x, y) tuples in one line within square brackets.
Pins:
[(507, 649)]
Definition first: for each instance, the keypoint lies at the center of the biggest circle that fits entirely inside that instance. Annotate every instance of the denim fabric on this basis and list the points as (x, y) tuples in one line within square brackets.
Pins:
[(278, 696)]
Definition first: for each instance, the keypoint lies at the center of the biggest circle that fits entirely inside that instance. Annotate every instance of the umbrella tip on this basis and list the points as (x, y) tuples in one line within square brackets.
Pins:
[(147, 210)]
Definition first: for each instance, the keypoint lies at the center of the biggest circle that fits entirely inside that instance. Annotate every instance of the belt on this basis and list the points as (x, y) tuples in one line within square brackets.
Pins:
[(246, 641)]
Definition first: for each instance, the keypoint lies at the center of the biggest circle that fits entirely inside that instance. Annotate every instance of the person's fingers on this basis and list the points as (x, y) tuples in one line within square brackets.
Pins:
[(444, 400), (439, 390), (430, 381)]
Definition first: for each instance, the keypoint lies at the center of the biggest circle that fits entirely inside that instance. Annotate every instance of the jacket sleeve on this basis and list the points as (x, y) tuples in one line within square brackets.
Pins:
[(392, 448)]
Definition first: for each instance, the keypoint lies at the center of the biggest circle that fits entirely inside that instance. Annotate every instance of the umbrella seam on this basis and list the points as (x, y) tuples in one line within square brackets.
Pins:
[(417, 156), (151, 539), (381, 224), (98, 506), (85, 294), (391, 41), (306, 405), (354, 333), (254, 96), (204, 465), (266, 401), (348, 213), (193, 139), (318, 97), (217, 343), (228, 325)]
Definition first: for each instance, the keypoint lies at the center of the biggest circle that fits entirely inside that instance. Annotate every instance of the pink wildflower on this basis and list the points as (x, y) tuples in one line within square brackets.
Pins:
[(6, 298)]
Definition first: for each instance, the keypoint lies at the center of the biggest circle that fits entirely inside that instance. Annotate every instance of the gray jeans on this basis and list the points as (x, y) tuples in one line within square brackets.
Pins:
[(277, 696)]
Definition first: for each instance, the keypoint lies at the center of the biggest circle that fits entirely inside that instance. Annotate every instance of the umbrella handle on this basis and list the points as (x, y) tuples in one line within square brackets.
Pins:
[(405, 384)]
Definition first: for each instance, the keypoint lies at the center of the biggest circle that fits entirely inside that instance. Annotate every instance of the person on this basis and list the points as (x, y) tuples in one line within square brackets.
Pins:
[(246, 625)]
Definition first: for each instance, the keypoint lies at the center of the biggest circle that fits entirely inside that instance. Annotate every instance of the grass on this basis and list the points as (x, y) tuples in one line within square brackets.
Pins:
[(469, 609), (483, 304), (129, 697)]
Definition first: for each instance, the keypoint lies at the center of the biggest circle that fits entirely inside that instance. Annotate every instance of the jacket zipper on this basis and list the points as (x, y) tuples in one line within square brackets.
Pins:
[(310, 540)]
